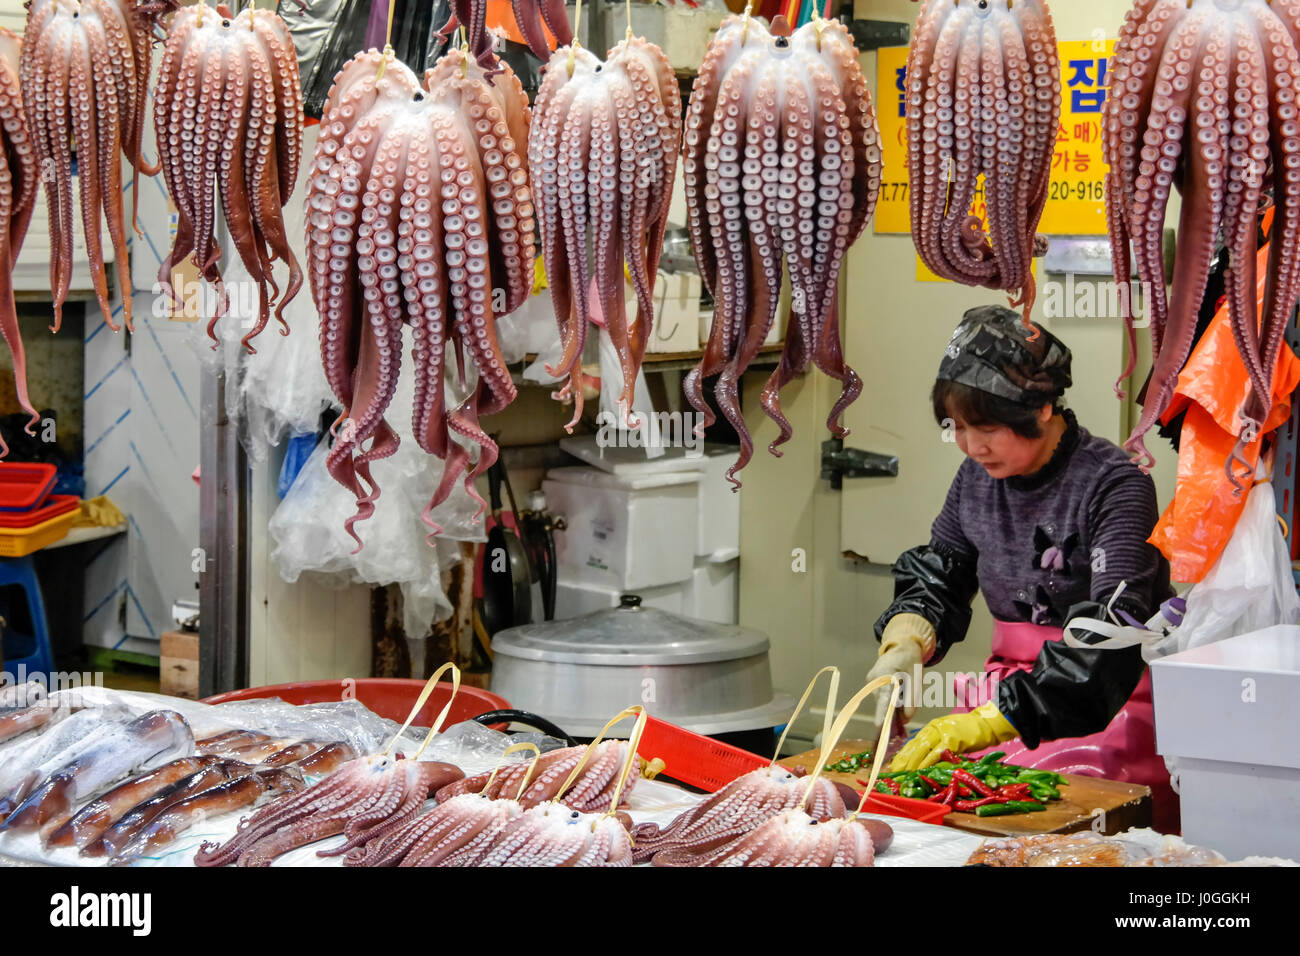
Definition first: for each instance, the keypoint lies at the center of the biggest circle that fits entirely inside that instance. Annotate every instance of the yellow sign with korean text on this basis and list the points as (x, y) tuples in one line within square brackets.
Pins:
[(1076, 201)]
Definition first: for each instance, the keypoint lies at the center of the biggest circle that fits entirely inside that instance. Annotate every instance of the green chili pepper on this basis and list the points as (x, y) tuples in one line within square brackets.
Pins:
[(993, 757)]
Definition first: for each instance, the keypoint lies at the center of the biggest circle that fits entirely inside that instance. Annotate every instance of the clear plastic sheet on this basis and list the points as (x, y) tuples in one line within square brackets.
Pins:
[(280, 389)]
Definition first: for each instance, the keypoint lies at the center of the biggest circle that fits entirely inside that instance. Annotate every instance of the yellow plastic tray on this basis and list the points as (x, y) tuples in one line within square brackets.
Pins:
[(17, 542)]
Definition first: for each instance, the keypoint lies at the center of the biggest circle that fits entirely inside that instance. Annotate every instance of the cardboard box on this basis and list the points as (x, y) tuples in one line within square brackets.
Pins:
[(178, 664)]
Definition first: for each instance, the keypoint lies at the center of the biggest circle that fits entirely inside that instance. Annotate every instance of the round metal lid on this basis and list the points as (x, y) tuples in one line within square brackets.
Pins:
[(629, 635)]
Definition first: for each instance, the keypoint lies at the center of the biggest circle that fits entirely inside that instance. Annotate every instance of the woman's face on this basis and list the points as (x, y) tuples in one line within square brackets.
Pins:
[(1000, 451)]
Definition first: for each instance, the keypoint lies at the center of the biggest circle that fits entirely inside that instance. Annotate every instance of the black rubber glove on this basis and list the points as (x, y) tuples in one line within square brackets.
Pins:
[(1072, 691), (939, 584)]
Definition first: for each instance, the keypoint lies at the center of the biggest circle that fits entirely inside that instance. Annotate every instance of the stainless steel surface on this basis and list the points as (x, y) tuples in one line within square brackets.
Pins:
[(710, 678), (223, 538)]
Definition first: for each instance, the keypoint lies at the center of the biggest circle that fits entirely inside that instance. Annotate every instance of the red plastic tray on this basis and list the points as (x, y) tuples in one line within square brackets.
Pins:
[(694, 759), (55, 506), (921, 810), (710, 765), (25, 485)]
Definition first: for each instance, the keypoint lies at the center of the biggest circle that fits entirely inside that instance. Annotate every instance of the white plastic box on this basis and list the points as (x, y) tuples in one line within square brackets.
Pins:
[(714, 591), (575, 600), (624, 532), (718, 528), (1229, 713)]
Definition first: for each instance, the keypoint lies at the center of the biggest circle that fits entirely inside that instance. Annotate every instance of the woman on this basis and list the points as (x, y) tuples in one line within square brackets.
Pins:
[(1049, 523)]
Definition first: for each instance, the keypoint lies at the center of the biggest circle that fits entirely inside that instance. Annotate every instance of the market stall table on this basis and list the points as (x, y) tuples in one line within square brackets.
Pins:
[(1118, 806)]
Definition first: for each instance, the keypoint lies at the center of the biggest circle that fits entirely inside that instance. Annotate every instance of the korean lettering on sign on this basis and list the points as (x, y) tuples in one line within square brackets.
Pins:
[(1076, 201)]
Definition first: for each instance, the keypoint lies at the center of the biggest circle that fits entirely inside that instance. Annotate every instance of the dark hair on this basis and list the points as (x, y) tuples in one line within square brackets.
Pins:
[(977, 407)]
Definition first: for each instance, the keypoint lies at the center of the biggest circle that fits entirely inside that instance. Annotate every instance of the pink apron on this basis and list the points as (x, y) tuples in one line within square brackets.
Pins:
[(1125, 750)]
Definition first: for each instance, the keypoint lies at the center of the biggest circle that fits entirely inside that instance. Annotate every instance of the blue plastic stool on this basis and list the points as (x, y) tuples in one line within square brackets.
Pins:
[(31, 651)]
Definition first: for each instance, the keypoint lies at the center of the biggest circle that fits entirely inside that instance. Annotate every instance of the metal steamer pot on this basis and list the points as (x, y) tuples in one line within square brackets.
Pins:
[(714, 679)]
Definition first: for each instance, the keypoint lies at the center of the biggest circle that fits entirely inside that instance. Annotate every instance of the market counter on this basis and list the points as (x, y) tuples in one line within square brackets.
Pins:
[(1117, 806)]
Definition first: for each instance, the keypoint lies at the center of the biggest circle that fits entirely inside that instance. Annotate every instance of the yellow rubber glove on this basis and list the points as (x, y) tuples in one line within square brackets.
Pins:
[(960, 733), (907, 643)]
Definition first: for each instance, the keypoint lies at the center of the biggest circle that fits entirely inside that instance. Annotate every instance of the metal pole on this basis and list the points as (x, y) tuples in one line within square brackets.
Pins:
[(223, 527)]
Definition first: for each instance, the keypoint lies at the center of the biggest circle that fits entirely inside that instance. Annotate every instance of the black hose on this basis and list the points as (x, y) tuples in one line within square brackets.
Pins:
[(528, 720)]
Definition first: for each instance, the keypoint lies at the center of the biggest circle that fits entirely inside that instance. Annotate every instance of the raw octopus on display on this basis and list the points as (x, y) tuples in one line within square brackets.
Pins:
[(419, 213), (592, 790), (228, 120), (782, 161), (794, 838), (460, 829), (736, 810), (84, 75), (983, 100), (1203, 97), (18, 188), (602, 156), (364, 799)]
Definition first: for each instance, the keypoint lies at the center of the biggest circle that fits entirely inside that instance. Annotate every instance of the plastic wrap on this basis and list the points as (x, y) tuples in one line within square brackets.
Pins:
[(308, 535), (280, 389)]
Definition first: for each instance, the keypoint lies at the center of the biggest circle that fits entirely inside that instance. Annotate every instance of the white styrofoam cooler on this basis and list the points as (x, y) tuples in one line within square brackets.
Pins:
[(709, 594), (1230, 712), (718, 505), (624, 532), (715, 591)]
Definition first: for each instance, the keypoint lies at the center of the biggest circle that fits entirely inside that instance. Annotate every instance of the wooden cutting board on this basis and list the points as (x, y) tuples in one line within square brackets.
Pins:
[(1119, 806)]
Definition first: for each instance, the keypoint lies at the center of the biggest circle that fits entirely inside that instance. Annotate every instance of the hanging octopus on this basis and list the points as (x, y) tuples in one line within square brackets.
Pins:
[(18, 188), (418, 212), (529, 16), (782, 161), (983, 100), (603, 155), (1203, 97), (84, 73), (228, 120)]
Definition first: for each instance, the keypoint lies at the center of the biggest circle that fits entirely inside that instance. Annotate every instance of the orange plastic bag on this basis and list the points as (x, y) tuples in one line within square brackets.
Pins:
[(1196, 526)]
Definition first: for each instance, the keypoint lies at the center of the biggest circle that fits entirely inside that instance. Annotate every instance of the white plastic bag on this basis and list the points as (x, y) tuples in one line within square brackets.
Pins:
[(308, 528), (1250, 587)]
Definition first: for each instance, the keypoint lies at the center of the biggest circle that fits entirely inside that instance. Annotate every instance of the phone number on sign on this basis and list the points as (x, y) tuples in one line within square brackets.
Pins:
[(1082, 191)]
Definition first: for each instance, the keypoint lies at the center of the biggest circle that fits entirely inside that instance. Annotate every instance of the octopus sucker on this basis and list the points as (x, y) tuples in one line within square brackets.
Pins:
[(592, 790), (791, 838), (363, 799), (783, 164), (983, 102), (602, 157), (18, 186), (228, 119), (419, 213), (1203, 99), (83, 73), (737, 809)]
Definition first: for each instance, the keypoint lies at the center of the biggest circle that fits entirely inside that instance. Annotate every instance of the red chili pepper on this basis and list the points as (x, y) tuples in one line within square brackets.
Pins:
[(949, 757), (1016, 791), (968, 806), (972, 781), (888, 782), (933, 784)]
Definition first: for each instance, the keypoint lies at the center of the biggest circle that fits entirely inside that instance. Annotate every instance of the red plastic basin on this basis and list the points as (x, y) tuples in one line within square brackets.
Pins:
[(391, 697)]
